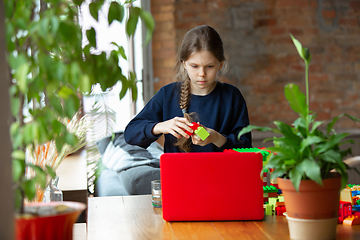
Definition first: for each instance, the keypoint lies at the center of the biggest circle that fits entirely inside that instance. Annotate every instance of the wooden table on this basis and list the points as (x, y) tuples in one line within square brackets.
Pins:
[(133, 217)]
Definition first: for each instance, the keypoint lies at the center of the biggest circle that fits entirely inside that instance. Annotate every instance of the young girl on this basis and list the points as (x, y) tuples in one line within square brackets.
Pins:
[(197, 96)]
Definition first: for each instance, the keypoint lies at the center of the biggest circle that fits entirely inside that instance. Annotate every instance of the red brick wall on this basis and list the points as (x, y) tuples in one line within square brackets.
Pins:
[(262, 57)]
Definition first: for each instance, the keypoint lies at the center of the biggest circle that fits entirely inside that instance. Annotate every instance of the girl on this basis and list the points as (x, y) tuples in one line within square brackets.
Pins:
[(197, 96)]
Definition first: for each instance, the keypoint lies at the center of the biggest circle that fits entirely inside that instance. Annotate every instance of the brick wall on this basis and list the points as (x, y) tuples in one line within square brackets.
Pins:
[(262, 57)]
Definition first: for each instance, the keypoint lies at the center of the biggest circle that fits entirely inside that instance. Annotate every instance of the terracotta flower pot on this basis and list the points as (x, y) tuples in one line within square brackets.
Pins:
[(54, 227), (312, 201)]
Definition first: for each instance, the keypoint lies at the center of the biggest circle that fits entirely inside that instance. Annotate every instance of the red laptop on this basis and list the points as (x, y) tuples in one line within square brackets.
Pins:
[(211, 186)]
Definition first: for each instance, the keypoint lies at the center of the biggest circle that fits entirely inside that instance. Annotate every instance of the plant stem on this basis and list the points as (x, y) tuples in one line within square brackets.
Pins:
[(307, 94)]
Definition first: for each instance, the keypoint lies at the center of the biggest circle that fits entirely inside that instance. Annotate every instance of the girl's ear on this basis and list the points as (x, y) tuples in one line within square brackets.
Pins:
[(184, 65), (221, 65)]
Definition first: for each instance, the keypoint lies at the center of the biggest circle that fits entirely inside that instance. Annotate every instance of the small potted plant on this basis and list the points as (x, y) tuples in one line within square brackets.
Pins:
[(307, 161), (50, 71)]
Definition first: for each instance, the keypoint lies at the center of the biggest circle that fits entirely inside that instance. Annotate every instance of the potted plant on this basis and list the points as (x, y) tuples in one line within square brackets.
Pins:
[(307, 160), (50, 71)]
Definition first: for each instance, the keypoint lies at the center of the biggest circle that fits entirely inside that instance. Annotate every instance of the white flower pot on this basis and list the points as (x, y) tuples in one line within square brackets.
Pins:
[(312, 229)]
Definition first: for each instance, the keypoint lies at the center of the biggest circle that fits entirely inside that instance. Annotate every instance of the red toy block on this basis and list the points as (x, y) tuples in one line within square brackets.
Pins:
[(280, 210), (193, 127), (345, 210)]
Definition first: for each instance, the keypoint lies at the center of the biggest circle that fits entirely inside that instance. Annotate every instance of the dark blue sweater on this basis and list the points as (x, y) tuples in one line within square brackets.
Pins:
[(223, 110)]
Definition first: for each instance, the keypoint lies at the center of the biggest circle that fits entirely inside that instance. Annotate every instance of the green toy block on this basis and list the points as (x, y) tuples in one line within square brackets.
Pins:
[(263, 152), (268, 189), (272, 202), (202, 133), (269, 209)]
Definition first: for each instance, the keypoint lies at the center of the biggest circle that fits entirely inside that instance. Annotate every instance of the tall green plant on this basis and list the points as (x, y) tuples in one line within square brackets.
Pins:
[(303, 151), (50, 70)]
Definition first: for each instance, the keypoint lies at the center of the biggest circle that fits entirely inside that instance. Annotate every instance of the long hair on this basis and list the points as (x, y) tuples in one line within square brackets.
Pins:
[(201, 38)]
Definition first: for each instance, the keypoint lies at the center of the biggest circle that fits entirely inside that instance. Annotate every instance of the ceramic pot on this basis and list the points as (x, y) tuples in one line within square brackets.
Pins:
[(313, 201), (51, 227), (312, 229)]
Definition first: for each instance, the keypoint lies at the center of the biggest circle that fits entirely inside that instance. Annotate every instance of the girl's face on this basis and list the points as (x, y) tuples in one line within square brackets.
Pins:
[(202, 68)]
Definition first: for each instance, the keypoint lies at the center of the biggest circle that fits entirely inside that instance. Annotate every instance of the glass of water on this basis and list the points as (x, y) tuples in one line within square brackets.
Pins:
[(156, 193)]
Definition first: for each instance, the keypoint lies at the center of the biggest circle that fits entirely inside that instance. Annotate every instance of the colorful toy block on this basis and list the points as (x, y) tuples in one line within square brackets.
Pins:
[(352, 220), (268, 209), (345, 195), (202, 133), (345, 210), (263, 152), (198, 130)]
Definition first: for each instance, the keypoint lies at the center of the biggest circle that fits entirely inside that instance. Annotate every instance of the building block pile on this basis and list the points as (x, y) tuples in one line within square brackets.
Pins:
[(349, 207), (273, 200)]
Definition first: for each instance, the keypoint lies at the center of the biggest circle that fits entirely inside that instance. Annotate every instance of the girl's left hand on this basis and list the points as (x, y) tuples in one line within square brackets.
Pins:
[(214, 137)]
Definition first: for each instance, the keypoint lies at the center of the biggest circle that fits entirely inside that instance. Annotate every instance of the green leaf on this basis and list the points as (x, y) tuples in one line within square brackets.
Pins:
[(295, 177), (309, 141), (331, 156), (124, 86), (56, 104), (21, 76), (71, 139), (78, 2), (249, 128), (311, 170), (281, 150), (132, 21), (116, 12), (75, 72), (149, 21), (296, 99), (59, 142), (91, 36), (18, 198), (18, 154), (85, 84), (133, 86), (40, 176), (333, 141), (71, 106), (15, 105), (94, 10), (50, 171), (58, 127), (18, 169), (65, 93), (334, 120), (14, 129), (298, 46), (289, 135), (315, 125), (122, 52), (303, 52), (277, 173), (29, 188)]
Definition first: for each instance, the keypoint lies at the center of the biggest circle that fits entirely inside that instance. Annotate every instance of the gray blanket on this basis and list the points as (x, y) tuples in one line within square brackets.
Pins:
[(118, 155)]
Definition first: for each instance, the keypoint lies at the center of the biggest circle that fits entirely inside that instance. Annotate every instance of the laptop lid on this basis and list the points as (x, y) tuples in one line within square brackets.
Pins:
[(211, 186)]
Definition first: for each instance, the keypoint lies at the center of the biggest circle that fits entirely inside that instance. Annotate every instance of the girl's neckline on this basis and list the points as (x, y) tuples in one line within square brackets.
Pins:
[(204, 97)]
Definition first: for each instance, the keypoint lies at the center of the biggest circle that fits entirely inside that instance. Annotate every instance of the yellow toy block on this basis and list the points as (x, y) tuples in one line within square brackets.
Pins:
[(345, 196)]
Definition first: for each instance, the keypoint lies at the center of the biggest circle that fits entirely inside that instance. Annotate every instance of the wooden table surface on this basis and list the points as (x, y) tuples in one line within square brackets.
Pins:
[(133, 217)]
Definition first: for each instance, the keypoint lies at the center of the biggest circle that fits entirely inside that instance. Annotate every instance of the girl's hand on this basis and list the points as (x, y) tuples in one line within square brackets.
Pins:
[(176, 127), (216, 138)]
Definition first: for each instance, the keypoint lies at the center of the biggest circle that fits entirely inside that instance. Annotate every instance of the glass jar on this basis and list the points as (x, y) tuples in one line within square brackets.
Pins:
[(52, 192)]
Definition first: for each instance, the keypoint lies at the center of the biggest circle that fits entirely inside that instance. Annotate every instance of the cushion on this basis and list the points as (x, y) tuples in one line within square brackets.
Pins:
[(117, 155)]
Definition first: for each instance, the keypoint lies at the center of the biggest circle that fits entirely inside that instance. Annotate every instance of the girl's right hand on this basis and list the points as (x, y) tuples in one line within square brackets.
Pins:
[(176, 127)]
